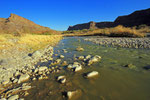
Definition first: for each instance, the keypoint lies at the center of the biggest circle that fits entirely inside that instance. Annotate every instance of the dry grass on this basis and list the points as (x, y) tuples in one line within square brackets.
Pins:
[(118, 31), (31, 41)]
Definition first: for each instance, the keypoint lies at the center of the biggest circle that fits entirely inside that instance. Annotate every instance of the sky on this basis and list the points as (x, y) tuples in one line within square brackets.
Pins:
[(60, 14)]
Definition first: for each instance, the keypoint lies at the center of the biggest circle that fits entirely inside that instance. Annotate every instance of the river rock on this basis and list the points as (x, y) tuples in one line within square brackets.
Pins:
[(23, 77), (130, 66), (61, 79), (75, 66), (94, 59), (36, 54), (70, 94), (61, 56), (42, 68), (26, 87), (79, 49), (81, 57), (14, 97), (88, 57), (91, 74)]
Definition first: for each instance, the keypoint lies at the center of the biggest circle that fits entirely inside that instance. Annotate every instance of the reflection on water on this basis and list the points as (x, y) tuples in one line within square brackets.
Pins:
[(115, 82)]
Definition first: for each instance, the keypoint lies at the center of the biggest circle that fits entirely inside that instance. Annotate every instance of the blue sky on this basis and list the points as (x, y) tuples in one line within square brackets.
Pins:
[(59, 14)]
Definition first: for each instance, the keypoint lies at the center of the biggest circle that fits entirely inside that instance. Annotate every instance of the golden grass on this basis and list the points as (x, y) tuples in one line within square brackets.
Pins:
[(30, 41), (118, 31)]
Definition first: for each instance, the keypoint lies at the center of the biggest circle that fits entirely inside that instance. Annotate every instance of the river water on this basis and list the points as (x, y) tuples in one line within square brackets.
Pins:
[(114, 82)]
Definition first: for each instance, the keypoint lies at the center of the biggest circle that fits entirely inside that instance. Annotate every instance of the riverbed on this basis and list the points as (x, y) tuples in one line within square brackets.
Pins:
[(114, 82)]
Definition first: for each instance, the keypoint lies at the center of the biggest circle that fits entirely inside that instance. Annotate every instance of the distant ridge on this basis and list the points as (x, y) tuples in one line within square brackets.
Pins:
[(17, 23), (134, 19)]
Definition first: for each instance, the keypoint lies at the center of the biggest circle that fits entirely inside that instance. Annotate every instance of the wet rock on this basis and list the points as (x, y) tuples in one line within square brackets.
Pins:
[(81, 57), (75, 66), (61, 79), (94, 59), (14, 97), (70, 94), (23, 77), (79, 49), (88, 57), (64, 50), (33, 79), (58, 61), (64, 63), (130, 66), (91, 74), (62, 56), (147, 67)]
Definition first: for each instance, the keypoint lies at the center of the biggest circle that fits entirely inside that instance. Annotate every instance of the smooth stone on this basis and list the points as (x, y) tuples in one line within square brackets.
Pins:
[(43, 68), (130, 66), (23, 77), (36, 54), (79, 49), (75, 66), (81, 57), (14, 97), (94, 59), (26, 87), (6, 82), (70, 94), (62, 56), (92, 74), (61, 79)]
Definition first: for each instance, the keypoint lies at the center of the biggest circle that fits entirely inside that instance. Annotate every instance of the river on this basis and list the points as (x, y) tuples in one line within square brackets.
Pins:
[(114, 82)]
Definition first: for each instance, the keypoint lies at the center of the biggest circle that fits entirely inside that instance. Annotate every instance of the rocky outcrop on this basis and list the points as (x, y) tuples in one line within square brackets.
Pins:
[(135, 19), (90, 25), (16, 23)]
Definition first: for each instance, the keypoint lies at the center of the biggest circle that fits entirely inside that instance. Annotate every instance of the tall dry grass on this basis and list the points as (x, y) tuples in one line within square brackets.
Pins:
[(28, 40)]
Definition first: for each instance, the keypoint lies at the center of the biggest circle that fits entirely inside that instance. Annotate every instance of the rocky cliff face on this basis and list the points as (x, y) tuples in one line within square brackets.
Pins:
[(135, 19), (17, 23), (90, 25)]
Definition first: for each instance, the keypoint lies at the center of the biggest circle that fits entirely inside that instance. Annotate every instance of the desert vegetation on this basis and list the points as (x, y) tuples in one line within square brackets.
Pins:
[(118, 31), (32, 41)]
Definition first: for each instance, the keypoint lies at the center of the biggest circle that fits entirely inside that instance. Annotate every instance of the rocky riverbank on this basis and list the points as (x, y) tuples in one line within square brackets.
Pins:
[(121, 42), (17, 82)]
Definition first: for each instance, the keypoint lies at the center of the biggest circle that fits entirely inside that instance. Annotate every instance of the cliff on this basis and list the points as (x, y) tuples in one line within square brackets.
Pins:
[(17, 23), (135, 19)]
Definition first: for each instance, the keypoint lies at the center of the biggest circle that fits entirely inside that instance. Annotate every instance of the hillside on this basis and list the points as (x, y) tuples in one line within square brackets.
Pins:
[(15, 24), (135, 19)]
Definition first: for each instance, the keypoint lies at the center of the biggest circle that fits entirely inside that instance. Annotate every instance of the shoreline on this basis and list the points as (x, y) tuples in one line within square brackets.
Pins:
[(123, 42)]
